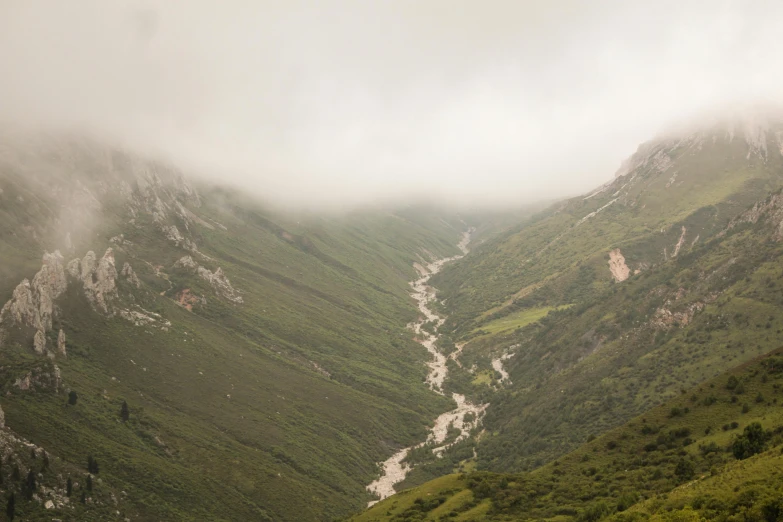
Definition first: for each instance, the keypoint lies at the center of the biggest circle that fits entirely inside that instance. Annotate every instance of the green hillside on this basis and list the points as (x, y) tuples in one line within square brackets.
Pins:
[(606, 306), (268, 395), (712, 453)]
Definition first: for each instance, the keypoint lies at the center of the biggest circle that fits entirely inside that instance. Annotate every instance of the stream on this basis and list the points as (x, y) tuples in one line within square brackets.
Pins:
[(394, 469)]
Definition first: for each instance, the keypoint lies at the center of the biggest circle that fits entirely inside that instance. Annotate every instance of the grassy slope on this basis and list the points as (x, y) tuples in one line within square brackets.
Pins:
[(632, 471), (714, 182), (290, 443)]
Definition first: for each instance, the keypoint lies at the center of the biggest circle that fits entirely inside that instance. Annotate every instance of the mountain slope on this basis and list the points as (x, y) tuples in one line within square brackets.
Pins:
[(688, 457), (581, 319), (263, 356)]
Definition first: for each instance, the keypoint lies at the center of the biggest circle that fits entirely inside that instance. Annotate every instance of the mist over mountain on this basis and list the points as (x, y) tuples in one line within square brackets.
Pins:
[(348, 103), (404, 261)]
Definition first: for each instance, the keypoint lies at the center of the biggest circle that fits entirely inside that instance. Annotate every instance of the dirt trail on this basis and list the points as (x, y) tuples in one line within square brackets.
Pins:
[(394, 470)]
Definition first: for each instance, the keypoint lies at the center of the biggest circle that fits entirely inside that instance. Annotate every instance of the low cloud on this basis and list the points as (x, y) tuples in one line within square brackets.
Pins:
[(350, 102)]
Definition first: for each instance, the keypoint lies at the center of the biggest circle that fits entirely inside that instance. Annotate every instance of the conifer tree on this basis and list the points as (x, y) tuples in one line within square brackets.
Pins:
[(30, 485), (69, 487), (72, 398), (45, 465), (89, 482), (124, 412), (10, 507)]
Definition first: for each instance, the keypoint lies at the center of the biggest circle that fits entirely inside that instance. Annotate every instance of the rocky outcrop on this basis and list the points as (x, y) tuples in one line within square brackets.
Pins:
[(617, 266), (99, 278), (39, 342), (41, 378), (142, 317), (186, 263), (130, 275), (769, 211), (33, 303), (61, 343), (217, 279), (664, 318)]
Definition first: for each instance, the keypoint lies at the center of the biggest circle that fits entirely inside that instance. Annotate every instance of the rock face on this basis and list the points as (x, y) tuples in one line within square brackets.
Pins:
[(130, 275), (769, 211), (33, 304), (217, 279), (39, 342), (41, 378), (617, 266), (99, 278), (61, 343)]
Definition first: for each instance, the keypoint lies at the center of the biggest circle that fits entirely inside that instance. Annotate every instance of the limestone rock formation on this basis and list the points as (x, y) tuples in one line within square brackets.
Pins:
[(61, 343), (33, 303), (39, 342), (130, 275), (217, 279), (98, 277)]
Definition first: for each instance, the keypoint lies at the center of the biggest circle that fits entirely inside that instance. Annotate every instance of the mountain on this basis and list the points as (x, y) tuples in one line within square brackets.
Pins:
[(262, 354), (603, 307)]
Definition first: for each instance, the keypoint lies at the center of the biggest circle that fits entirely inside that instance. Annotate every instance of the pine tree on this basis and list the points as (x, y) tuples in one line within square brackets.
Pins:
[(124, 412), (89, 482), (69, 487), (83, 500), (33, 455), (45, 465), (30, 485), (92, 465), (10, 508), (72, 398), (16, 474)]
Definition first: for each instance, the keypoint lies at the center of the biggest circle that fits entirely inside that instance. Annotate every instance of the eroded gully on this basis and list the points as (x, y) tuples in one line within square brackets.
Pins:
[(394, 469)]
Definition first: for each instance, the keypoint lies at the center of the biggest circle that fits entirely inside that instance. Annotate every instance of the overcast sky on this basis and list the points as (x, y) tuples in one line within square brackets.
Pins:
[(355, 101)]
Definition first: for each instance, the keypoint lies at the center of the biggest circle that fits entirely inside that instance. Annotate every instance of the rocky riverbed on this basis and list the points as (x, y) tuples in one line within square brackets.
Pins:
[(394, 469)]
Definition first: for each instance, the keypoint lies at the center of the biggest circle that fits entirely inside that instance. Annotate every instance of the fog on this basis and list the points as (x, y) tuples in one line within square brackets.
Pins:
[(347, 102)]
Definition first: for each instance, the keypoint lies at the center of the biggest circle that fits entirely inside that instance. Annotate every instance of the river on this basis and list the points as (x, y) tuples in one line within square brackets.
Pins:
[(394, 469)]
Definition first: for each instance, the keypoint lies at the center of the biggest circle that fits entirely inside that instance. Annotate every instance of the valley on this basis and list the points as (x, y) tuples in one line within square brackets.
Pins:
[(404, 363), (464, 418)]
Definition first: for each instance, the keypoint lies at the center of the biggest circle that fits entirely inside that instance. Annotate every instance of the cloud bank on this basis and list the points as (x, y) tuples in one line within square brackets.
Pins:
[(346, 102)]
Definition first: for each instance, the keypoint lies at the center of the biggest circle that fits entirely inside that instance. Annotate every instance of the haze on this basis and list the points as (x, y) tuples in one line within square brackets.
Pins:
[(342, 103)]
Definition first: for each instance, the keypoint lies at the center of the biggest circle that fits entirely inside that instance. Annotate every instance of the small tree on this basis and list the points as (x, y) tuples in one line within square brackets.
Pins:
[(684, 469), (124, 412), (16, 474), (751, 442), (45, 465), (69, 487), (10, 507), (72, 398), (33, 454), (89, 482), (83, 499)]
